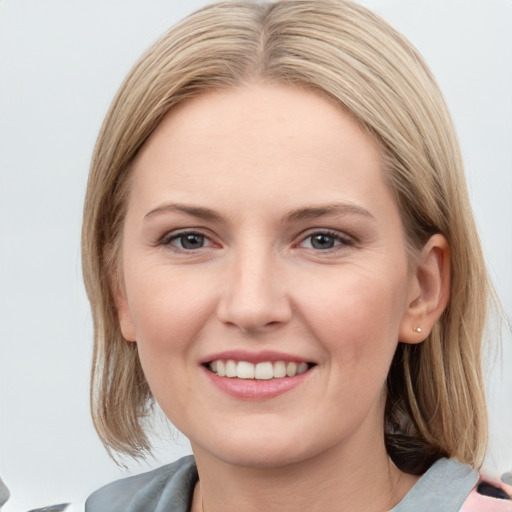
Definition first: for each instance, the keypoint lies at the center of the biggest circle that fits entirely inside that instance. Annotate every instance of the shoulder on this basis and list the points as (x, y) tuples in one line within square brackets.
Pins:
[(169, 487)]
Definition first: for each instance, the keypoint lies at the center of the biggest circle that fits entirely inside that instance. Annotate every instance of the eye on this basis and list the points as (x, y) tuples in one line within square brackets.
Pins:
[(325, 240), (187, 241)]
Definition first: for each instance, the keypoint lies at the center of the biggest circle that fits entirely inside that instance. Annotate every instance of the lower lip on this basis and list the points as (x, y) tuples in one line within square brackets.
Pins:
[(252, 389)]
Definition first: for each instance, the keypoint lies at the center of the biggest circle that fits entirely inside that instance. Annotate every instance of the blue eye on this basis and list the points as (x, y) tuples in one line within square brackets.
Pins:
[(188, 241), (325, 240), (322, 241)]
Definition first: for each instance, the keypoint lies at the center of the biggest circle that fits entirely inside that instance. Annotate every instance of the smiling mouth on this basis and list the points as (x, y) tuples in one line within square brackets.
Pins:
[(265, 370)]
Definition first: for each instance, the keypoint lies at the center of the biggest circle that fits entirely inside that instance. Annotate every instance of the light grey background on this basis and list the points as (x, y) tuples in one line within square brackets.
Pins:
[(61, 63)]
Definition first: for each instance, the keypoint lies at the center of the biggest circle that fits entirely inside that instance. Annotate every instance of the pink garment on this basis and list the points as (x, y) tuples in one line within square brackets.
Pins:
[(479, 503)]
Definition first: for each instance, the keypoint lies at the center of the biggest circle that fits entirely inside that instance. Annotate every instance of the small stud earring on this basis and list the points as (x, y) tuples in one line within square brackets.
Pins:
[(418, 329)]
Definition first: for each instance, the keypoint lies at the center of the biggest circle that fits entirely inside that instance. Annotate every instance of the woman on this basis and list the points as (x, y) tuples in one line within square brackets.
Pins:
[(279, 250)]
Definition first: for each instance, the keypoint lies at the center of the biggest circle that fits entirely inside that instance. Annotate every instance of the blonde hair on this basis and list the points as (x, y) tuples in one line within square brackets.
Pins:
[(436, 403)]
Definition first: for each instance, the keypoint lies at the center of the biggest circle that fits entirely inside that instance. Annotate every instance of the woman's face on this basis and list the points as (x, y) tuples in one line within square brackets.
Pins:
[(261, 238)]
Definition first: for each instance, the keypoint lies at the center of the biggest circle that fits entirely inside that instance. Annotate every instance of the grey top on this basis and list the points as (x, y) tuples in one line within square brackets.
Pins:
[(166, 489), (4, 493), (444, 487)]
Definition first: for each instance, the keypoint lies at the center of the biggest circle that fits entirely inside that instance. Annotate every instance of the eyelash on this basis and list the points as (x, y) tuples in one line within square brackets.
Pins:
[(340, 240), (169, 238), (343, 240)]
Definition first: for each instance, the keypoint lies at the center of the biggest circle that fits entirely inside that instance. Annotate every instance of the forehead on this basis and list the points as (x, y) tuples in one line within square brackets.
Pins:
[(266, 139)]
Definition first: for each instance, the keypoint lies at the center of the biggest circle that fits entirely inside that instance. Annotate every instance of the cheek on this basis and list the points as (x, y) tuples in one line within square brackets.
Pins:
[(168, 316), (356, 314), (163, 305)]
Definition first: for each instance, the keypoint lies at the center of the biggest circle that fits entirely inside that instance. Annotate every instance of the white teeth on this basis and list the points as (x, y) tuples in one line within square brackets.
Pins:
[(260, 371), (279, 370), (303, 367), (245, 370), (291, 369), (230, 368), (264, 371), (221, 369)]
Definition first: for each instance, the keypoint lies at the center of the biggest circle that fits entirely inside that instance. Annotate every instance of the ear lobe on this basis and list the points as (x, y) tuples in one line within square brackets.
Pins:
[(430, 290), (124, 316)]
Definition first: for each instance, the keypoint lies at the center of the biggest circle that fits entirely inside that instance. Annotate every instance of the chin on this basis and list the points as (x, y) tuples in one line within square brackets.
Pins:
[(261, 459), (259, 452)]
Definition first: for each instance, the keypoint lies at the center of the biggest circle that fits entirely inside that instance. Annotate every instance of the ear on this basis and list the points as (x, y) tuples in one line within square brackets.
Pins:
[(429, 290), (123, 312)]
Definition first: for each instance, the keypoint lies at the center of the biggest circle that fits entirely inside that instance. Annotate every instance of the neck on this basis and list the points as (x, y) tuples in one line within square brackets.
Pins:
[(342, 478)]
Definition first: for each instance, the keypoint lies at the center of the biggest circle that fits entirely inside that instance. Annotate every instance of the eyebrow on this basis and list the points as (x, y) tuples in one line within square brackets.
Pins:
[(314, 212), (308, 212), (194, 211)]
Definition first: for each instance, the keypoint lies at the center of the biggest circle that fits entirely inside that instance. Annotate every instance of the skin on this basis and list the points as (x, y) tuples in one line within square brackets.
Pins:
[(257, 279)]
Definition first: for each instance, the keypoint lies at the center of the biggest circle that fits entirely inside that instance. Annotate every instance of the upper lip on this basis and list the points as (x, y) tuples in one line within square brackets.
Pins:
[(254, 357)]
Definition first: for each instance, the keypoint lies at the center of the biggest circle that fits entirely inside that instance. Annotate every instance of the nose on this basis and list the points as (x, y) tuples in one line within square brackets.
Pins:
[(254, 293)]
